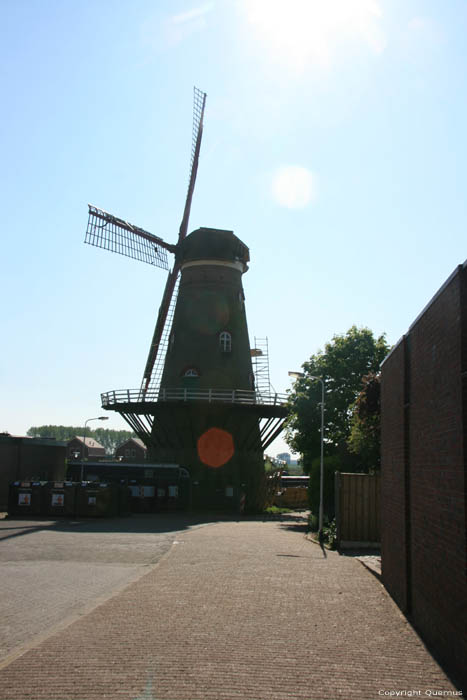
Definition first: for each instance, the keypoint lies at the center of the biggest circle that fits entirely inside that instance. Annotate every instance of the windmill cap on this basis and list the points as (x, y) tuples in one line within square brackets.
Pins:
[(212, 244)]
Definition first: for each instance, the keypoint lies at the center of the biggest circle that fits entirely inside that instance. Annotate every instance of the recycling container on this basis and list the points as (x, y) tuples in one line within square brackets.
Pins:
[(143, 497), (97, 500), (60, 498), (26, 498)]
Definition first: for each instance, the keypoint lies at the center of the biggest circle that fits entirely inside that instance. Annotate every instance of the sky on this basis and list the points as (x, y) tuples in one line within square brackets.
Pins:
[(334, 146)]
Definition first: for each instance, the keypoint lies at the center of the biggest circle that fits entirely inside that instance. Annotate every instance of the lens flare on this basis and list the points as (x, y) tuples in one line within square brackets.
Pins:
[(215, 447)]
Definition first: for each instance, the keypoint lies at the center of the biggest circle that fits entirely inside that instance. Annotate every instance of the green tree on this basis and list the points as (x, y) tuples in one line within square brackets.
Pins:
[(365, 423), (342, 364), (57, 432)]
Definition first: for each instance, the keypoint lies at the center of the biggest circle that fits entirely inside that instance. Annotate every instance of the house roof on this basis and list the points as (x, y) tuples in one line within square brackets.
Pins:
[(90, 442), (137, 441)]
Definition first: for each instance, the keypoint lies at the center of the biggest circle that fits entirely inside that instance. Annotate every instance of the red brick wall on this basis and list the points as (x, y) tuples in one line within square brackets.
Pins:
[(89, 452), (140, 452), (437, 474), (393, 475), (424, 488)]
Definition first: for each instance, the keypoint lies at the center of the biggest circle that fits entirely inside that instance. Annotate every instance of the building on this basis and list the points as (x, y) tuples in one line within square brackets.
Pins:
[(29, 459), (423, 473), (205, 413), (79, 447), (284, 457), (132, 450)]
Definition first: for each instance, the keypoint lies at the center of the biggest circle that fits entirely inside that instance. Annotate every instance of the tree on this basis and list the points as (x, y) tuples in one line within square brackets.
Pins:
[(364, 439), (342, 364), (110, 439)]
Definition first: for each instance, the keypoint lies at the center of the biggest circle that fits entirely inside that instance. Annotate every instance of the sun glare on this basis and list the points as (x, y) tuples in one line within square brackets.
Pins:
[(300, 33), (293, 186)]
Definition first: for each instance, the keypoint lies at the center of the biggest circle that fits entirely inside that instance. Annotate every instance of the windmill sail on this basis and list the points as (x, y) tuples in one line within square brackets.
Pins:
[(107, 231), (199, 102), (160, 331), (155, 363)]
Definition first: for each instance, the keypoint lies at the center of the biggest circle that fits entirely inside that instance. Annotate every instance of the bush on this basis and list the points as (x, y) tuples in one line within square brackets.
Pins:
[(329, 530), (330, 534), (313, 522)]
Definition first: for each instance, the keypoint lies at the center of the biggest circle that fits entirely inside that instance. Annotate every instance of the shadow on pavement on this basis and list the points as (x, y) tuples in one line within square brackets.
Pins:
[(137, 523), (162, 522)]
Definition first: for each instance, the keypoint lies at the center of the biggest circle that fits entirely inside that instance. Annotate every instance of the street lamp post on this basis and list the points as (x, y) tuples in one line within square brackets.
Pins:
[(321, 476), (84, 440)]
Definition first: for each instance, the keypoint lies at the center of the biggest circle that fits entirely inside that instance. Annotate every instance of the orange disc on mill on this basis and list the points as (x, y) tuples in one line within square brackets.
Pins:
[(215, 447)]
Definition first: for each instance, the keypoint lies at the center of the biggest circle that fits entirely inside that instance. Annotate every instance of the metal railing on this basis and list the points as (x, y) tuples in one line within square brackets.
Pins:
[(237, 396)]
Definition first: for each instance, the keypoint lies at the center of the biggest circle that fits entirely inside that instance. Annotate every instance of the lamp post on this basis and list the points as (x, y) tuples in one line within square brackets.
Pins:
[(321, 476), (84, 439)]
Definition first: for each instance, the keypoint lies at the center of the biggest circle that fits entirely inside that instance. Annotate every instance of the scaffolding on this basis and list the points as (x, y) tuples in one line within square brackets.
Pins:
[(260, 362)]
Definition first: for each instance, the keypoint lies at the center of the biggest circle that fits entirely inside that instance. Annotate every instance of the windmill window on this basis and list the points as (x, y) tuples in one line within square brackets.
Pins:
[(191, 372), (225, 341)]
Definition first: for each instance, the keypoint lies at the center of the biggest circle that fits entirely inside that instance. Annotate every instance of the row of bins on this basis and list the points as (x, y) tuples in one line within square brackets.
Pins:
[(153, 498), (67, 498)]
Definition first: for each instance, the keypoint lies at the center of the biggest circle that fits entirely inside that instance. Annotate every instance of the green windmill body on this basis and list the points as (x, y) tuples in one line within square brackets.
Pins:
[(209, 351), (198, 405), (208, 344)]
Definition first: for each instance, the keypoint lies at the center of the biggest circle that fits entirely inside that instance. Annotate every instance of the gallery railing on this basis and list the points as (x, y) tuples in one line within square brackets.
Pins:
[(237, 396)]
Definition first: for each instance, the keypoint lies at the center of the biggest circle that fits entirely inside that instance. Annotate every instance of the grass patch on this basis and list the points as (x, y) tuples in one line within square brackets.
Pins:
[(274, 510)]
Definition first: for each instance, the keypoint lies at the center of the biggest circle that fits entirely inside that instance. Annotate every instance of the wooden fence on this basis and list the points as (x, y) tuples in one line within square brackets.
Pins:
[(357, 510)]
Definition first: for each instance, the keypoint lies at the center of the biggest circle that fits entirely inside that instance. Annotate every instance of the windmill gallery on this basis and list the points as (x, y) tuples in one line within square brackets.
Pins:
[(200, 404)]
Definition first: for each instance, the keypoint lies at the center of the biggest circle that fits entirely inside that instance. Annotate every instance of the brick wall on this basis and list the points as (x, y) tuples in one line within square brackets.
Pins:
[(393, 477), (131, 451), (423, 473)]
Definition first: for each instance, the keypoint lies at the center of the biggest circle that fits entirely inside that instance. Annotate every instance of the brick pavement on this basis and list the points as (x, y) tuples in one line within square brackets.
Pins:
[(248, 610), (53, 571)]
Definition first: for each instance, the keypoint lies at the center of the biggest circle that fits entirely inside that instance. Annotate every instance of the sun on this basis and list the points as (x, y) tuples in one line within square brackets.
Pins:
[(300, 33), (293, 186)]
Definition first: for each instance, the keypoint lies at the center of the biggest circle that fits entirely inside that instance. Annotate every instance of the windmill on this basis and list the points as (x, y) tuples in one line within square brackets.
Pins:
[(197, 404)]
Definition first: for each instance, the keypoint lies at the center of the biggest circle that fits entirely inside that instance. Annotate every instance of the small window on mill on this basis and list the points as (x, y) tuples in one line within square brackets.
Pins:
[(225, 341), (191, 372)]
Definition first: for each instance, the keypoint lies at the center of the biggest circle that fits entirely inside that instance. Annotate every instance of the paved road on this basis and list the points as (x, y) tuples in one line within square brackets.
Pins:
[(51, 572), (237, 610)]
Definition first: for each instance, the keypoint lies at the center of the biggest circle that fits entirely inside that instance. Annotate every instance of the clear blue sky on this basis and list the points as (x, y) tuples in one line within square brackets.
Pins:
[(335, 147)]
